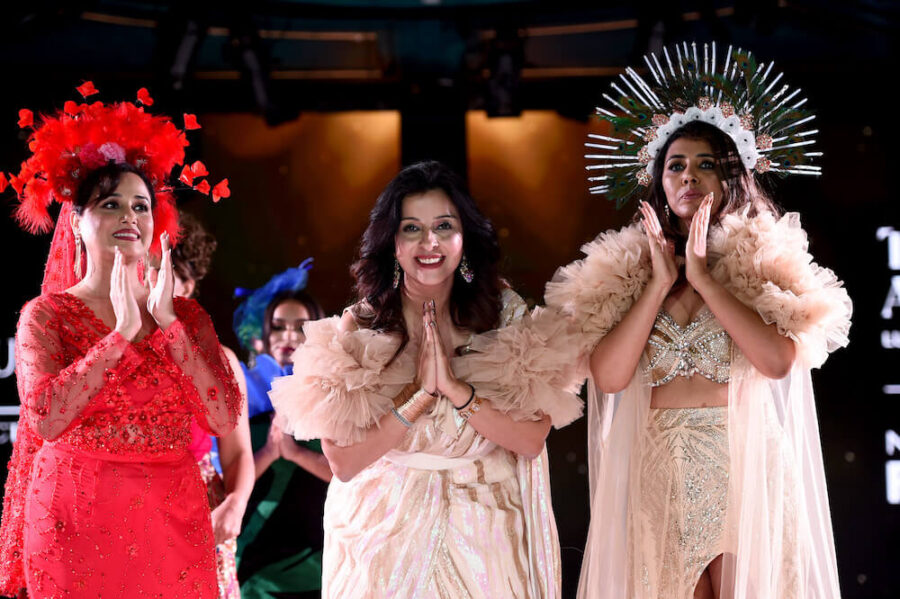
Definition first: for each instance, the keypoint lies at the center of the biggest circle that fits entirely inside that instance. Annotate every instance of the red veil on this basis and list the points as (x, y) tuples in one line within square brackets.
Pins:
[(65, 148)]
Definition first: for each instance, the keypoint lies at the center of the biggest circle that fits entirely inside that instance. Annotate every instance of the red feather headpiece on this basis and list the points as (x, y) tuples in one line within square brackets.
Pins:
[(82, 137)]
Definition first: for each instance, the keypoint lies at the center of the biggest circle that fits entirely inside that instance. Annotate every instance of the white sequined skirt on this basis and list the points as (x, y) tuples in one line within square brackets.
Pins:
[(682, 499)]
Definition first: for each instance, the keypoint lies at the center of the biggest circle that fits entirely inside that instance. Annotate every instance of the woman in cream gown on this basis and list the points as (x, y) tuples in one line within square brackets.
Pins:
[(433, 395), (706, 465)]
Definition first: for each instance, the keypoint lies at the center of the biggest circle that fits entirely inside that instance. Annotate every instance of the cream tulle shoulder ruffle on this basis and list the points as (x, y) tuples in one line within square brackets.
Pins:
[(598, 290), (763, 260), (528, 367), (343, 383)]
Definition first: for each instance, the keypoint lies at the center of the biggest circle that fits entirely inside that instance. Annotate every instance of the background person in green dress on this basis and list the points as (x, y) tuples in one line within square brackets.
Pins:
[(280, 547)]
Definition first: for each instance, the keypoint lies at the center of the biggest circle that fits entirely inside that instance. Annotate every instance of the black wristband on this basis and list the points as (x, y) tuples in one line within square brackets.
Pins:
[(468, 401)]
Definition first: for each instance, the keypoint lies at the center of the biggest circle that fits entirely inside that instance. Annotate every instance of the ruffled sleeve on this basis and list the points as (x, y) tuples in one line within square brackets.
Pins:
[(529, 367), (764, 261), (599, 289), (343, 382)]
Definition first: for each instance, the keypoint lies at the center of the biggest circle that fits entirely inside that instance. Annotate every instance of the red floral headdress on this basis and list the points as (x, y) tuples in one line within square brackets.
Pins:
[(83, 137)]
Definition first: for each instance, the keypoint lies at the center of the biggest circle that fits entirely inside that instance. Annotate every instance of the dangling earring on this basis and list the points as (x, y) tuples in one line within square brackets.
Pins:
[(465, 271), (78, 273), (666, 210), (397, 271)]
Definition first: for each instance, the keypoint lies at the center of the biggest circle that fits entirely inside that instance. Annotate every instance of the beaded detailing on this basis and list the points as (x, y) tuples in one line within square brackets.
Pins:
[(119, 415), (702, 347), (682, 513)]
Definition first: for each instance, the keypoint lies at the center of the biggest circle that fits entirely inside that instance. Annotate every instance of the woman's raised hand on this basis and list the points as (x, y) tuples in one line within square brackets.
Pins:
[(162, 288), (696, 266), (124, 304), (662, 253), (426, 372)]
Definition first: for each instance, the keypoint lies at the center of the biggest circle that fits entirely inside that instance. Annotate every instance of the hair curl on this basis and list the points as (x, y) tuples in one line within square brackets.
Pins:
[(192, 256), (740, 188), (474, 306)]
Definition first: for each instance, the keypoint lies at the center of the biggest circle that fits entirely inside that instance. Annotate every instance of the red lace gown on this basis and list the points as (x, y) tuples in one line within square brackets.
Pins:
[(111, 504)]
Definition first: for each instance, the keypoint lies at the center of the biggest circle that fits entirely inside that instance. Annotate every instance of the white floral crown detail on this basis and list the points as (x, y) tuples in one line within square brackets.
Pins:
[(743, 99)]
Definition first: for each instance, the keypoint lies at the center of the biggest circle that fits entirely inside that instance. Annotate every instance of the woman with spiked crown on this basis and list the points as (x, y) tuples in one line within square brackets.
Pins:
[(103, 498), (702, 320)]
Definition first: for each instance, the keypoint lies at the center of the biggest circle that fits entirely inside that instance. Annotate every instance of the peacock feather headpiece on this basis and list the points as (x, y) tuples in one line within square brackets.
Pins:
[(739, 96)]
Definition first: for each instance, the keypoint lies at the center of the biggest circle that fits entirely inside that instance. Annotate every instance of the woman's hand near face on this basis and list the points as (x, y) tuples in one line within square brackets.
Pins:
[(162, 288), (124, 304), (426, 371), (662, 253), (696, 266)]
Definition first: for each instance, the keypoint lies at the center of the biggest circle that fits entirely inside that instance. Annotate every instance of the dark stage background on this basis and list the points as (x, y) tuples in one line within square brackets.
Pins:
[(309, 108)]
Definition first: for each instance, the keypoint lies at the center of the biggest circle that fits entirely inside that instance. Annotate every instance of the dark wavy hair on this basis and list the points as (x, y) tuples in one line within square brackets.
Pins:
[(740, 188), (192, 257), (474, 306), (308, 301), (105, 180)]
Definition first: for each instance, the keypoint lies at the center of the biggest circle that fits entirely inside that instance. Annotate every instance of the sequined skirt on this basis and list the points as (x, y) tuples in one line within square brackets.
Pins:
[(682, 499), (398, 531), (107, 527)]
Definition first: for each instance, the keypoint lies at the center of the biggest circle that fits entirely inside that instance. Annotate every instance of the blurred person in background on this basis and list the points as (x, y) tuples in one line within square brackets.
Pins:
[(226, 463), (280, 549)]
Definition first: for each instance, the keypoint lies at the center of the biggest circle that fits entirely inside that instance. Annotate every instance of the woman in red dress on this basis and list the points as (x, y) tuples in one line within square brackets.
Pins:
[(103, 499)]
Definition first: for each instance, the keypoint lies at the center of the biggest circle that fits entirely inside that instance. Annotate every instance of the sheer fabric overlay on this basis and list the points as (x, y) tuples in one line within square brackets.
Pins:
[(448, 513), (776, 535), (101, 483)]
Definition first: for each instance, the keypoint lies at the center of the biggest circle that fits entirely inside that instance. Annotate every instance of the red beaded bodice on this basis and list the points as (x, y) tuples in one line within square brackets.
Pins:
[(86, 387)]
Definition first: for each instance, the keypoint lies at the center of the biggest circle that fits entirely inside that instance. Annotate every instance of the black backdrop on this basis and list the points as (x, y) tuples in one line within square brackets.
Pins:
[(431, 63)]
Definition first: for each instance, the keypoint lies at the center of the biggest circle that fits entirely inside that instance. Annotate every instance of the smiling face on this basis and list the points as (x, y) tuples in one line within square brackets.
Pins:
[(123, 219), (689, 174), (286, 330), (429, 242)]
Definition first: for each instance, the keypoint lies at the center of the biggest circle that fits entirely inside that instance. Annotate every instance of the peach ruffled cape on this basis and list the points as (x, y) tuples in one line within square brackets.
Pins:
[(344, 382), (764, 261)]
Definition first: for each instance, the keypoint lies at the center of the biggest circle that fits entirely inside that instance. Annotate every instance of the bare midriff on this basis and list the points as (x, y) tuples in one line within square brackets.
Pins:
[(692, 392)]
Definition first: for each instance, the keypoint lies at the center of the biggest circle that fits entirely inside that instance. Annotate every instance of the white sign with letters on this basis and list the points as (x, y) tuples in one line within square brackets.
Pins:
[(891, 340)]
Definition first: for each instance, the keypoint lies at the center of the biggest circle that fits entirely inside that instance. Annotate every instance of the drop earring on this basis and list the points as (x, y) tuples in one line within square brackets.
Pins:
[(465, 271), (78, 273), (397, 271)]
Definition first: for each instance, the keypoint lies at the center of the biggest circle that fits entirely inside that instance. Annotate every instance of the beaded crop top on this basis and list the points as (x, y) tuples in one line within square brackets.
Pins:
[(702, 347)]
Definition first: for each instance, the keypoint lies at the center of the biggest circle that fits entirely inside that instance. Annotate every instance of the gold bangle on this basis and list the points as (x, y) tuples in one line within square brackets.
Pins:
[(473, 407), (416, 405), (405, 393)]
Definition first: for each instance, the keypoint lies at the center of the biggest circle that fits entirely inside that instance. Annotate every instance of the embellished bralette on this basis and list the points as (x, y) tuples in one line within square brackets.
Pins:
[(702, 347)]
